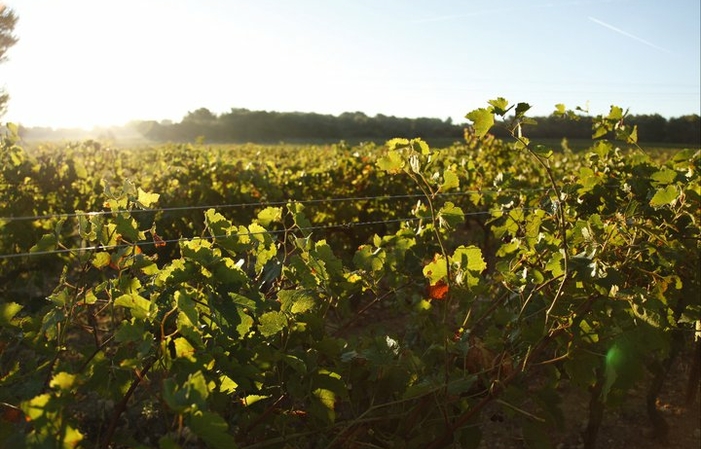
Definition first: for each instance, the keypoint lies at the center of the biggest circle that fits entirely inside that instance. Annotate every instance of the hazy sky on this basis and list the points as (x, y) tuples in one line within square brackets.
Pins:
[(88, 62)]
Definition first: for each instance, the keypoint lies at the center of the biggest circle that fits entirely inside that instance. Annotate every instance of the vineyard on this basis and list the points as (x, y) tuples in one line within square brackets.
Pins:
[(336, 296)]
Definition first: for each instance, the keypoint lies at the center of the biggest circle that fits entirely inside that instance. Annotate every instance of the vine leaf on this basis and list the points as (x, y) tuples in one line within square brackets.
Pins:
[(138, 305), (269, 215), (450, 180), (8, 311), (522, 108), (295, 301), (146, 199), (438, 291), (450, 215), (499, 106), (482, 120), (212, 428), (47, 242), (436, 270), (271, 323), (391, 162), (665, 196)]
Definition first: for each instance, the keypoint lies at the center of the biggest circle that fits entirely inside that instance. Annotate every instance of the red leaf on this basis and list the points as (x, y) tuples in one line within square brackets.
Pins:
[(158, 241), (12, 414), (438, 291)]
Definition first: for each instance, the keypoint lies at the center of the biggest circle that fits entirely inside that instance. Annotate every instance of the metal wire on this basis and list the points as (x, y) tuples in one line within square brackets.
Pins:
[(254, 204), (272, 232)]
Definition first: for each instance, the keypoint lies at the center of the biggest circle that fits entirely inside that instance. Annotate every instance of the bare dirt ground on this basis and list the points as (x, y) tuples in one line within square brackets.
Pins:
[(623, 427)]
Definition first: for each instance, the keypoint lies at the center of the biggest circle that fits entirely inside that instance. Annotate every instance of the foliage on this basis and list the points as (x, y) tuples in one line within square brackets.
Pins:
[(335, 296), (8, 20)]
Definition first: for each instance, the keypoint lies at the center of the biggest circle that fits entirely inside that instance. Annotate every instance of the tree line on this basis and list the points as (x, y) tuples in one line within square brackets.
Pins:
[(263, 126), (240, 125), (243, 125)]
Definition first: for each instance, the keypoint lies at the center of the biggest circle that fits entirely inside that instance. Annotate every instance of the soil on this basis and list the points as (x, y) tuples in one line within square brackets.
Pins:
[(624, 426)]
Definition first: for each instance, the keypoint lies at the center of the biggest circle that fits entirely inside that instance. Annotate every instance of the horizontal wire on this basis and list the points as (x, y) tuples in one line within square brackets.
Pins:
[(274, 232), (183, 239), (256, 204)]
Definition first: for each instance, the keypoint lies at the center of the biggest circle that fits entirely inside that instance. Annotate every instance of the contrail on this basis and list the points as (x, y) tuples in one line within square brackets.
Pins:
[(626, 34)]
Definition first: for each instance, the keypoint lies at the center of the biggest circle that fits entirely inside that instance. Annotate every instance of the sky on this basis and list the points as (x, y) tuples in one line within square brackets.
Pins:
[(85, 63)]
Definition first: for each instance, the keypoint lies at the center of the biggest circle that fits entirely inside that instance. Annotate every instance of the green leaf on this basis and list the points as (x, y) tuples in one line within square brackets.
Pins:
[(392, 162), (328, 387), (79, 168), (198, 249), (482, 120), (395, 143), (253, 398), (183, 349), (521, 109), (71, 436), (101, 259), (598, 131), (450, 216), (420, 146), (450, 181), (436, 270), (664, 176), (36, 407), (63, 381), (542, 151), (295, 363), (665, 196), (47, 242), (12, 128), (217, 224), (327, 399), (146, 199), (228, 272), (187, 307), (269, 215), (138, 305), (191, 395), (128, 227), (369, 259), (469, 258), (499, 106), (301, 220), (271, 323), (296, 301), (245, 322), (8, 311), (130, 331), (213, 429), (616, 113), (227, 385), (556, 265), (468, 263)]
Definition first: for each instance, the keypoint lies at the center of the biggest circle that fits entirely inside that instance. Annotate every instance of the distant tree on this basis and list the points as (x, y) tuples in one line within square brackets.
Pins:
[(201, 115), (651, 128), (684, 129), (8, 19)]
